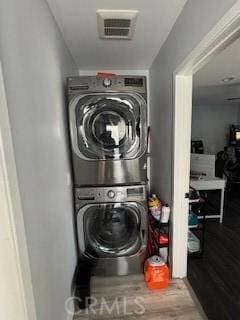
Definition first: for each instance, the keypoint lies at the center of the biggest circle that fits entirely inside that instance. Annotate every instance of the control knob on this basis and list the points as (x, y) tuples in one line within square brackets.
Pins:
[(111, 194), (107, 82)]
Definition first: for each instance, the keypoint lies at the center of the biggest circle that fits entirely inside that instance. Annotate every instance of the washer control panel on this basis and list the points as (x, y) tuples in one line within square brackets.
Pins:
[(113, 194)]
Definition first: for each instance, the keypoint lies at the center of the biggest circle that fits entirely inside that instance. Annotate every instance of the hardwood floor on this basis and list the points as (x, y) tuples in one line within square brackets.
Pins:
[(216, 277), (127, 298)]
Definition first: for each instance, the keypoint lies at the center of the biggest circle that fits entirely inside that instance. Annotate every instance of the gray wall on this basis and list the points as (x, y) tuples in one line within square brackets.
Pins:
[(35, 63), (211, 124), (188, 30)]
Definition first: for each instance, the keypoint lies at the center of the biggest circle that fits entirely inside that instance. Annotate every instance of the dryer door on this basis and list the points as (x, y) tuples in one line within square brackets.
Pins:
[(108, 126), (111, 230)]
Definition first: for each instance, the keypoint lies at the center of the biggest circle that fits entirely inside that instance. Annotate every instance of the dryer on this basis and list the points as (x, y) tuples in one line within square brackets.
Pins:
[(108, 126), (112, 228)]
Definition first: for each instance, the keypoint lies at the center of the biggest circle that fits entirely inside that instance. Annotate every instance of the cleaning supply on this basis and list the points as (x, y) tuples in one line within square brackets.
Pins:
[(163, 237), (192, 219), (193, 242), (156, 273), (165, 213), (154, 205)]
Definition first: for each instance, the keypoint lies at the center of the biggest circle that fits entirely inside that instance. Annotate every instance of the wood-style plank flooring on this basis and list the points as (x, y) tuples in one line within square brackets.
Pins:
[(216, 277), (130, 299)]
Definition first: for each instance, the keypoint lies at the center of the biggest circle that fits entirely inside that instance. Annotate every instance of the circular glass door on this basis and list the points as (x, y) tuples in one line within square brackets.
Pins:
[(111, 230), (109, 127)]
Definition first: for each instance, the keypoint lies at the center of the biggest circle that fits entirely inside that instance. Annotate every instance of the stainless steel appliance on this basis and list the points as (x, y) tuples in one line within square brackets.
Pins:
[(108, 124), (112, 228)]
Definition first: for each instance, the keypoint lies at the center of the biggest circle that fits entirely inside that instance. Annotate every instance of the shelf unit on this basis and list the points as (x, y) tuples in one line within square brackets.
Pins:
[(156, 244), (197, 231)]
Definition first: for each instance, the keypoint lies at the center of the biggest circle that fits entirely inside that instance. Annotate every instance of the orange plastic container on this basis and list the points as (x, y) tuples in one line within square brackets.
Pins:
[(156, 273)]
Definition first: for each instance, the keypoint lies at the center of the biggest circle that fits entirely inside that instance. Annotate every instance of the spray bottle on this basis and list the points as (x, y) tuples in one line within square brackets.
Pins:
[(165, 213), (154, 205)]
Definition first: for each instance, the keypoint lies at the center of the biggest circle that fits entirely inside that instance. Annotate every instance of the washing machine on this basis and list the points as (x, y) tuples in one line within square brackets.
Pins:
[(112, 228), (108, 126)]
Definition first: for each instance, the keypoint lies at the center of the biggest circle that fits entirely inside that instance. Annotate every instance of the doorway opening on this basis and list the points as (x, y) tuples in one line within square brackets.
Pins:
[(225, 32), (223, 35), (213, 240)]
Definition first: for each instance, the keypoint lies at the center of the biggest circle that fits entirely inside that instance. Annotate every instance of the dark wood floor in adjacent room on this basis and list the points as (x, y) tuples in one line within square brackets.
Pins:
[(216, 277)]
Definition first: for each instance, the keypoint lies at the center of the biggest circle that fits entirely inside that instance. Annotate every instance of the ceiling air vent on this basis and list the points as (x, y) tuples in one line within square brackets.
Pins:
[(116, 24)]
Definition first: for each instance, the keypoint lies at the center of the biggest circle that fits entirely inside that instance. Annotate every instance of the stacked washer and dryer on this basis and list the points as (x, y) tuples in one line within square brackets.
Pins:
[(108, 129)]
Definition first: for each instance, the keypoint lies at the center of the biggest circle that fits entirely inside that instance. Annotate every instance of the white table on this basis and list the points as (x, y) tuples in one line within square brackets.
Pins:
[(211, 184)]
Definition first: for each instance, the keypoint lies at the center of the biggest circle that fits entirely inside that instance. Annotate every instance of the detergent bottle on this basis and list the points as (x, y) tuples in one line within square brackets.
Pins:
[(154, 205), (156, 273)]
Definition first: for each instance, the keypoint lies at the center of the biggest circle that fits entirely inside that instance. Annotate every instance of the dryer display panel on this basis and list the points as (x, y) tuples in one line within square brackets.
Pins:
[(112, 230), (110, 126)]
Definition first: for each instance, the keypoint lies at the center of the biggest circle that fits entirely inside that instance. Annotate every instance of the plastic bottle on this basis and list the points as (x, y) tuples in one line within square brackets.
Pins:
[(165, 213), (156, 273), (154, 205)]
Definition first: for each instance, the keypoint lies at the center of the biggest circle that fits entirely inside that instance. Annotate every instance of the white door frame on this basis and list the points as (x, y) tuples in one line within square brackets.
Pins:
[(16, 292), (224, 32)]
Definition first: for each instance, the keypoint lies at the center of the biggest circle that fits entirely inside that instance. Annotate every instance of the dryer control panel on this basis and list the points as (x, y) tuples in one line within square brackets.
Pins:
[(77, 85)]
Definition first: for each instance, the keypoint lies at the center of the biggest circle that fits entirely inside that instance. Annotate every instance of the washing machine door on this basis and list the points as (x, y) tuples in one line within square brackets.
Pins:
[(111, 230), (108, 126)]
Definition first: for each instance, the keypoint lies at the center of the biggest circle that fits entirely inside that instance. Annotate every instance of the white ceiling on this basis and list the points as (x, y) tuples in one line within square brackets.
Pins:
[(207, 82), (226, 64), (77, 21), (216, 95)]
